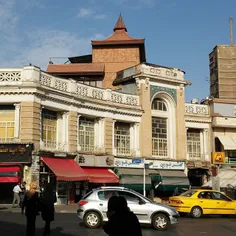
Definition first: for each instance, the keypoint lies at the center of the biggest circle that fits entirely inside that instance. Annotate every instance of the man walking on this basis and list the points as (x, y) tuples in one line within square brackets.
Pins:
[(16, 192)]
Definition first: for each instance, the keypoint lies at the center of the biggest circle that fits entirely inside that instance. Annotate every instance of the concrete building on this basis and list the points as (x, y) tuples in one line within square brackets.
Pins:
[(222, 63), (100, 120)]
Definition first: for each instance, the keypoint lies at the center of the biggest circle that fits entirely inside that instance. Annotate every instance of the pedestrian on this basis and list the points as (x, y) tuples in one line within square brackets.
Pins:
[(121, 221), (22, 193), (176, 192), (31, 206), (16, 195), (48, 199)]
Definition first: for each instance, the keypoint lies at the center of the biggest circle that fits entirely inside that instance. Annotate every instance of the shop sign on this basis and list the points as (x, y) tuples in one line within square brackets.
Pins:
[(16, 153), (218, 158), (167, 165), (95, 161), (153, 164), (130, 163)]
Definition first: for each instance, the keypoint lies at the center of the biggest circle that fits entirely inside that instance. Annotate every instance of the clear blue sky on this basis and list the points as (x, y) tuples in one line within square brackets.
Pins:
[(178, 33)]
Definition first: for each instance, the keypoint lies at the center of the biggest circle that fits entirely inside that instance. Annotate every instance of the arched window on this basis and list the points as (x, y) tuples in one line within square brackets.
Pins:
[(159, 105), (163, 126)]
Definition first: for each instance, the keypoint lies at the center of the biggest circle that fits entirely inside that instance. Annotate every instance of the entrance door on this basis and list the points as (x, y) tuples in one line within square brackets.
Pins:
[(62, 193)]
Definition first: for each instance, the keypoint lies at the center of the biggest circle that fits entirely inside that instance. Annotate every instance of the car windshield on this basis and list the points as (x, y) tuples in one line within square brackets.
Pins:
[(188, 193)]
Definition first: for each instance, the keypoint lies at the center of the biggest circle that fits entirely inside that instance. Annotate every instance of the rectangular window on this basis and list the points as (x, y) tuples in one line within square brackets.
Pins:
[(159, 137), (7, 123), (86, 134), (194, 144), (49, 126), (122, 138)]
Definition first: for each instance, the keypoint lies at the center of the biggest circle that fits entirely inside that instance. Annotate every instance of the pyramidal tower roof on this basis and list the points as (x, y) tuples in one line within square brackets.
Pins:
[(120, 25), (120, 36)]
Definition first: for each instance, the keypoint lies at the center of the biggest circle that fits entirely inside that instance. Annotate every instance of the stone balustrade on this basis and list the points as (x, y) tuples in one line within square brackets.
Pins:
[(35, 75), (196, 109)]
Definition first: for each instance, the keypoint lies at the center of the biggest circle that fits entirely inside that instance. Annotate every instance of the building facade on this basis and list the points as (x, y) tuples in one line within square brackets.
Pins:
[(105, 118)]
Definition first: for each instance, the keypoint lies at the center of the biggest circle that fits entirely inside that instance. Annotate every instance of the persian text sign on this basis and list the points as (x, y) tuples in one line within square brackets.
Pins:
[(153, 164), (16, 153), (167, 165), (129, 163)]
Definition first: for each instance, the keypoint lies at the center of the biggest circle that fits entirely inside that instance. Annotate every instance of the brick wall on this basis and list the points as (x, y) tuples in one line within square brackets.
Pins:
[(115, 59)]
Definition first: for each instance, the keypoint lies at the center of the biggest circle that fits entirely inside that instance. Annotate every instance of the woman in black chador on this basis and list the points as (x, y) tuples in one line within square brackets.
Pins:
[(121, 221), (47, 208), (30, 205)]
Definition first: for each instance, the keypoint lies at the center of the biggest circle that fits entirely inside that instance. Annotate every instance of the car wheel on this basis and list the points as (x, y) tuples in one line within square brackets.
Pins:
[(92, 220), (160, 222), (196, 212)]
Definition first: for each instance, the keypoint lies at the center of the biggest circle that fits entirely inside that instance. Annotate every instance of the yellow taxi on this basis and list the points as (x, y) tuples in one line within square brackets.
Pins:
[(200, 202)]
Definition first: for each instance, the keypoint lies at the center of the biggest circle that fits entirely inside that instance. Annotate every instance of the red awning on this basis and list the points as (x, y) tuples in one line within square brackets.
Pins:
[(101, 175), (65, 169), (5, 179), (9, 169)]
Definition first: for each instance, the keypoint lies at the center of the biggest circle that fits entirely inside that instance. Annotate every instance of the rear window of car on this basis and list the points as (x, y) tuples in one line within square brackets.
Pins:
[(87, 195), (105, 195), (188, 193)]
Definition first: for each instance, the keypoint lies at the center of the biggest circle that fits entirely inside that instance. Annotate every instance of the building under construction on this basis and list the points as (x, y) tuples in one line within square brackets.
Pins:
[(222, 62)]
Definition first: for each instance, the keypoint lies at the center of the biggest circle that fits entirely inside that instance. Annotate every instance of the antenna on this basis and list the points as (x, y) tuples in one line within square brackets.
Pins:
[(231, 30)]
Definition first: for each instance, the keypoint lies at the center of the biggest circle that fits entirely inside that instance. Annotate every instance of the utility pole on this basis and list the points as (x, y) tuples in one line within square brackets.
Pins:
[(231, 30)]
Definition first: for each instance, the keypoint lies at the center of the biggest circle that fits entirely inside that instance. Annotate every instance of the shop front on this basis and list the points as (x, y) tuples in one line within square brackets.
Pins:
[(14, 159), (65, 175), (98, 169), (199, 172), (161, 177)]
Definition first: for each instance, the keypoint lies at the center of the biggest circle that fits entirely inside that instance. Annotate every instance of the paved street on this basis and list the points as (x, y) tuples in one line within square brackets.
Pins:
[(66, 224)]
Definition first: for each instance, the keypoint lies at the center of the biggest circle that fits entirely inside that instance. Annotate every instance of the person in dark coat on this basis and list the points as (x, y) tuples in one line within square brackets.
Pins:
[(121, 221), (30, 205), (47, 208)]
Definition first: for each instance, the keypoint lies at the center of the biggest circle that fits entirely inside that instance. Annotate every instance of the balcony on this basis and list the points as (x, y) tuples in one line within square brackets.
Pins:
[(53, 146), (33, 76)]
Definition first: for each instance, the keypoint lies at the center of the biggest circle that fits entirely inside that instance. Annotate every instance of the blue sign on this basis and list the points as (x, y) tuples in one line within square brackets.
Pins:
[(137, 161)]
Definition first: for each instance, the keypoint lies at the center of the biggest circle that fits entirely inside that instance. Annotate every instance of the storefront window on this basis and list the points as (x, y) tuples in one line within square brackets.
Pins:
[(159, 136), (122, 138), (49, 124), (7, 123), (86, 134), (194, 144)]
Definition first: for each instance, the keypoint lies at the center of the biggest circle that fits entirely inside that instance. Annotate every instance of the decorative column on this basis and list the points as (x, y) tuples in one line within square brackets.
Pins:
[(187, 155), (65, 131), (136, 139), (17, 121), (202, 144), (99, 134), (41, 127), (78, 144), (205, 148), (113, 138)]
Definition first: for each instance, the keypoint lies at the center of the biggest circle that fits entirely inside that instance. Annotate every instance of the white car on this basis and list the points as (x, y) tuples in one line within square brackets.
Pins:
[(93, 208)]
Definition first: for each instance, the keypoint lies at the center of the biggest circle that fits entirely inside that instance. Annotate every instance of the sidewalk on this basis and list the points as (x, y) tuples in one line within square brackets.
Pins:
[(72, 208)]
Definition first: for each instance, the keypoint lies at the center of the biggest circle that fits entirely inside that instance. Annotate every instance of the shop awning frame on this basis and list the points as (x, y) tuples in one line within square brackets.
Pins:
[(65, 169), (229, 142), (227, 176), (100, 175)]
